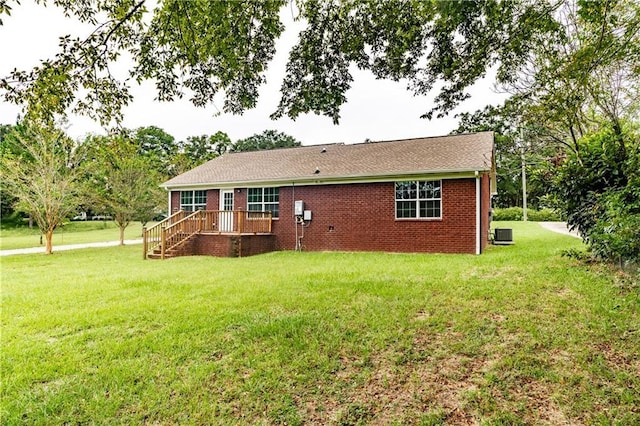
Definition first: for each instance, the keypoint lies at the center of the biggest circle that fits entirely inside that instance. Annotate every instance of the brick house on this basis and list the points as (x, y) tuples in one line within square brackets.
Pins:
[(414, 195)]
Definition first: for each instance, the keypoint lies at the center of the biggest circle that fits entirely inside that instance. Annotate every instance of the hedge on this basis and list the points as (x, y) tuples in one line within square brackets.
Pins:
[(515, 213)]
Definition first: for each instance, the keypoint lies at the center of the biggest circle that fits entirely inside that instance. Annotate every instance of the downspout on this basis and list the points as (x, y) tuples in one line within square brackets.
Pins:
[(478, 200), (295, 222), (168, 202)]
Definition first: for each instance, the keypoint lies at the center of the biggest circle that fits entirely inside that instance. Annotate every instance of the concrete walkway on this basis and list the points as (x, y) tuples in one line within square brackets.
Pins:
[(559, 227), (56, 248)]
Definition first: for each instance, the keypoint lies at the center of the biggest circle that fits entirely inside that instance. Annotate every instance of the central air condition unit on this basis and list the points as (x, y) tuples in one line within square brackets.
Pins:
[(503, 236)]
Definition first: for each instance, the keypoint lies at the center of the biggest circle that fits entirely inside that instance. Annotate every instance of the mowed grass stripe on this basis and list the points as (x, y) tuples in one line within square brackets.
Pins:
[(516, 335)]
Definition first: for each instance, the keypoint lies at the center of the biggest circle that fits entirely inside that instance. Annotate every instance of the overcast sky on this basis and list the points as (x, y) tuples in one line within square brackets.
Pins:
[(375, 109)]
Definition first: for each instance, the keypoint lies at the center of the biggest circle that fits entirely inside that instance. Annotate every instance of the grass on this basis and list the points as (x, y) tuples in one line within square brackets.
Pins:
[(518, 335), (70, 233)]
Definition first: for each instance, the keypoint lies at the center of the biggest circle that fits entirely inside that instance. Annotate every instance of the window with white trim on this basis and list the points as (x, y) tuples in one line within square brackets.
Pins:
[(420, 199), (193, 200), (263, 200)]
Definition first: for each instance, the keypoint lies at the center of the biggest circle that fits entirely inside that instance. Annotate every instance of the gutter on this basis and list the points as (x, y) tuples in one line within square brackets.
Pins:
[(478, 212), (328, 180)]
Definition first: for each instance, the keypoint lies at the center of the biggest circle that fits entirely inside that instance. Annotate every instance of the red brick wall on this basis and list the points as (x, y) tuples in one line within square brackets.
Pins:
[(175, 202), (240, 199), (232, 245), (213, 200), (361, 217), (212, 245)]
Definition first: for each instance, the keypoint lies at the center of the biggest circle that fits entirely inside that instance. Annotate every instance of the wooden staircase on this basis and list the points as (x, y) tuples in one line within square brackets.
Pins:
[(183, 248)]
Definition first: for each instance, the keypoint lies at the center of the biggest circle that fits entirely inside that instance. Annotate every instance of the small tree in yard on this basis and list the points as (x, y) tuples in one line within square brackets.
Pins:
[(39, 170), (121, 182)]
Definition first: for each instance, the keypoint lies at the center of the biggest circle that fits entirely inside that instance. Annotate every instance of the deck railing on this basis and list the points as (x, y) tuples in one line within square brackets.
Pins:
[(178, 228), (152, 237)]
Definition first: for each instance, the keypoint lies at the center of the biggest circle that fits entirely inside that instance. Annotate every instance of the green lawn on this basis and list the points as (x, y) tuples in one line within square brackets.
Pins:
[(70, 233), (518, 335)]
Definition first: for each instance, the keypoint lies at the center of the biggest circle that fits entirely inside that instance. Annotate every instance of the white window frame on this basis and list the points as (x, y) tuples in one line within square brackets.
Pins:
[(426, 194), (262, 205), (193, 206)]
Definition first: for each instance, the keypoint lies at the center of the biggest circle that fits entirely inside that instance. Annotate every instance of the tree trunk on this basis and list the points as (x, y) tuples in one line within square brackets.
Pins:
[(122, 235), (49, 241)]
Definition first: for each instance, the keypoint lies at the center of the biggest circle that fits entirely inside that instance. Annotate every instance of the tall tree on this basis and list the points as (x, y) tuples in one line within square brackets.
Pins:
[(40, 172), (159, 147), (205, 147), (121, 182), (211, 48), (269, 139), (584, 76), (516, 143)]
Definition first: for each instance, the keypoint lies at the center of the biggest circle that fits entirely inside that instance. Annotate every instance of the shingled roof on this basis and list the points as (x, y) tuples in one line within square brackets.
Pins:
[(317, 163)]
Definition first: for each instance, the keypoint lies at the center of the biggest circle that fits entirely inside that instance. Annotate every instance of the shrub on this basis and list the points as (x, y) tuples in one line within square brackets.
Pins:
[(616, 233), (515, 213), (598, 189), (510, 213)]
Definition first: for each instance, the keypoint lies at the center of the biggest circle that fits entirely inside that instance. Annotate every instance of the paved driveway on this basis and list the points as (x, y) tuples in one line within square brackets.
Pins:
[(559, 227), (33, 250)]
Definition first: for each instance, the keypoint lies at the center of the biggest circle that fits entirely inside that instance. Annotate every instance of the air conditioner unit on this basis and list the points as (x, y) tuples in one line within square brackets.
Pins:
[(503, 236)]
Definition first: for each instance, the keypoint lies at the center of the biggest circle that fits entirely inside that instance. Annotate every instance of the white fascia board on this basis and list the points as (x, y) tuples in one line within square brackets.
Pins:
[(331, 180)]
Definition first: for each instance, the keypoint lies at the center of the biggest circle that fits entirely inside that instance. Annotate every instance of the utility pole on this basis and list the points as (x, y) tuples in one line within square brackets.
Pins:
[(524, 178)]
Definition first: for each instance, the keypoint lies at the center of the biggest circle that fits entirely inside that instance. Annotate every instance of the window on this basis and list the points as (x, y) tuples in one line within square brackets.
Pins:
[(263, 200), (193, 200), (419, 199)]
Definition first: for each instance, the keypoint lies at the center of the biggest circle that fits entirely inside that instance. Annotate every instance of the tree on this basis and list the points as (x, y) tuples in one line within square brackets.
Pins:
[(598, 188), (121, 182), (579, 87), (584, 76), (269, 139), (7, 200), (514, 145), (156, 145), (211, 48), (200, 149), (40, 172)]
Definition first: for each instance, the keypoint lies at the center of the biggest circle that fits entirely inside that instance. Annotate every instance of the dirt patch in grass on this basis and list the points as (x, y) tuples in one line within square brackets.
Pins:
[(484, 273), (405, 388), (617, 360), (428, 382)]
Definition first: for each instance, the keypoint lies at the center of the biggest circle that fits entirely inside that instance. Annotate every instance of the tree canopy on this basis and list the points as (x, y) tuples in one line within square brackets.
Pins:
[(203, 49), (269, 139)]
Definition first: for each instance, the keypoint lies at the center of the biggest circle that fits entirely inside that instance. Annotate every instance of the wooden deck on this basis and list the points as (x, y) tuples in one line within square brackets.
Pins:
[(177, 235)]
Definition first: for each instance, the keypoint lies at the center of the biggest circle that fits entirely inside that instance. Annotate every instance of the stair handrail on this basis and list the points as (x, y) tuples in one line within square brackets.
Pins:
[(152, 237), (180, 231)]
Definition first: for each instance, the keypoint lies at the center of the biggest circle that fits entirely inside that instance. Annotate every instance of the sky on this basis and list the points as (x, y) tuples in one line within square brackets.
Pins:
[(375, 109)]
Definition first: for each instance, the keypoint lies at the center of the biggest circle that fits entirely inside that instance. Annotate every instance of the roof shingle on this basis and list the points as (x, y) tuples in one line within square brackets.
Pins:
[(445, 154)]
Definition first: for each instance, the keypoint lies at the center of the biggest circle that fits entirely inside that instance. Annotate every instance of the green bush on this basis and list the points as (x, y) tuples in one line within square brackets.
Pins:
[(510, 213), (14, 220), (598, 189), (515, 213)]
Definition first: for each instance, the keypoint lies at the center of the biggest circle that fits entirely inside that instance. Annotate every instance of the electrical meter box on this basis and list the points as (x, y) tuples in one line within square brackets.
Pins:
[(307, 215), (298, 208)]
